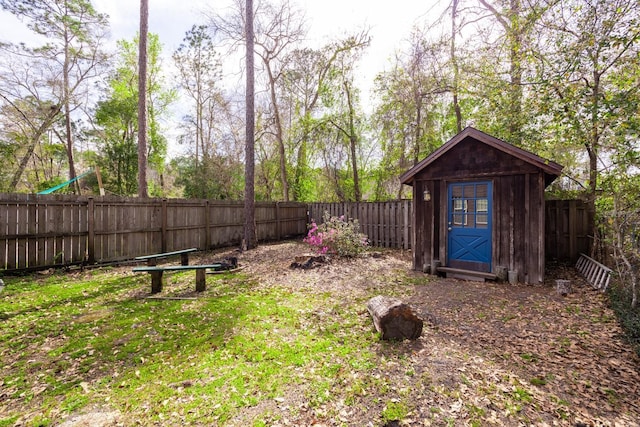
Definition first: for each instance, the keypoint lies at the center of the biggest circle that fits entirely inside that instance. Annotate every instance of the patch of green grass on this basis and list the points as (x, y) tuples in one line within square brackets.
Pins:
[(475, 414), (529, 357), (10, 421), (465, 380), (538, 381), (395, 411), (517, 399), (612, 396), (563, 344), (559, 401), (508, 317), (522, 395), (573, 309), (89, 339), (562, 413)]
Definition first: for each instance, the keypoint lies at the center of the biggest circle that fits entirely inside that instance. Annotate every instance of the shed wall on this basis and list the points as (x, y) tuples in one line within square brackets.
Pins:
[(518, 208)]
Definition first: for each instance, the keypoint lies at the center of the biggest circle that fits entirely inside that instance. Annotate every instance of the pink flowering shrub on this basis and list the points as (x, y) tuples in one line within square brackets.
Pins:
[(337, 236)]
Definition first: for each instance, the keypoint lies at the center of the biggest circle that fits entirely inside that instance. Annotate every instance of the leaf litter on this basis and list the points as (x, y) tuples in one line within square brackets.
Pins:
[(490, 353)]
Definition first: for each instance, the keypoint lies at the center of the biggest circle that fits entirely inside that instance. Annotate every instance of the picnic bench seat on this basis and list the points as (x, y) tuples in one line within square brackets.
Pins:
[(153, 258), (157, 273)]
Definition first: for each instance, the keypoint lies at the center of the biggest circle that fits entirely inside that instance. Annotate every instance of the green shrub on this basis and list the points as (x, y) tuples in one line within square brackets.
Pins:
[(629, 318)]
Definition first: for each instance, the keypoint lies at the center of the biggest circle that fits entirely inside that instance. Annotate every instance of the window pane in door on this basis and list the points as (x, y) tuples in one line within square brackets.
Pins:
[(482, 221), (482, 190), (469, 191)]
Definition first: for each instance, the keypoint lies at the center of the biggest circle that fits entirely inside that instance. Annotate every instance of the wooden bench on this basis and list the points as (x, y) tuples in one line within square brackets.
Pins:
[(157, 273), (152, 260), (598, 275)]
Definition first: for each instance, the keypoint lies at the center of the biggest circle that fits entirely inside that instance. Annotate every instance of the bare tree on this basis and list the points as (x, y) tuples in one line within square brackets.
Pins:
[(199, 68), (142, 99), (277, 28), (312, 77), (250, 238), (346, 119), (454, 64), (29, 119), (74, 31), (589, 48)]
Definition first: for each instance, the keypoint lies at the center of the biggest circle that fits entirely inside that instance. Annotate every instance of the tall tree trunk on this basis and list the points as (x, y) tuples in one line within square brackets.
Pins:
[(514, 29), (279, 135), (250, 238), (353, 143), (454, 62), (53, 112), (142, 99), (417, 135), (67, 114), (592, 151), (620, 253), (301, 168), (515, 35)]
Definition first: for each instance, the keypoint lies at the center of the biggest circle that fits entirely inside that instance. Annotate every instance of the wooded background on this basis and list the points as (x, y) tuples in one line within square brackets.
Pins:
[(558, 78)]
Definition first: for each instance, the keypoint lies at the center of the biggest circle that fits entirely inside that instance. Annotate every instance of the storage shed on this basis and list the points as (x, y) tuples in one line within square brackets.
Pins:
[(479, 209)]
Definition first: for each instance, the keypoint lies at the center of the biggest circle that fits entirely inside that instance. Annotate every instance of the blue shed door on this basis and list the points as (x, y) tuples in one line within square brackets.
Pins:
[(469, 226)]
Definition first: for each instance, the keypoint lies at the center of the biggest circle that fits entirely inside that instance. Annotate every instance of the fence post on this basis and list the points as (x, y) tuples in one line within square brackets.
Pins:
[(573, 251), (405, 224), (91, 230), (207, 224), (278, 226), (164, 226)]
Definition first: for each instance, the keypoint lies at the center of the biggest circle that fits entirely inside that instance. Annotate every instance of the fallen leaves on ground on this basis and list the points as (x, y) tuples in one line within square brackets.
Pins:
[(490, 353)]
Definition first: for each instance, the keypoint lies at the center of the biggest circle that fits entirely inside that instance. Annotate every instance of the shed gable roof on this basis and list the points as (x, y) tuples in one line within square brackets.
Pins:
[(551, 169)]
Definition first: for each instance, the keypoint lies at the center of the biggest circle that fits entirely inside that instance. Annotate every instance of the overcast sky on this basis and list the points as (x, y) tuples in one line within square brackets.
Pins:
[(389, 22)]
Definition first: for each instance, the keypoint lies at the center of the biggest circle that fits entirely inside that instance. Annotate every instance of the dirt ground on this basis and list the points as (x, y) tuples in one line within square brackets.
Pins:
[(490, 353)]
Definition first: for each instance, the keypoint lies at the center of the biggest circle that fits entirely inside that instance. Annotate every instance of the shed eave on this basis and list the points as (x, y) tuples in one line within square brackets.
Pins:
[(550, 168)]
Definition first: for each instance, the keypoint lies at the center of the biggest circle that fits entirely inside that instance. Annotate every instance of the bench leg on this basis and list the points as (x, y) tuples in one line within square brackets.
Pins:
[(152, 262), (201, 276), (184, 259), (156, 281)]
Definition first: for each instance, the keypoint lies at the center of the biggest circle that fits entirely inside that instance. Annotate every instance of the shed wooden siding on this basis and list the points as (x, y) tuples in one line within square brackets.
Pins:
[(518, 209), (518, 224)]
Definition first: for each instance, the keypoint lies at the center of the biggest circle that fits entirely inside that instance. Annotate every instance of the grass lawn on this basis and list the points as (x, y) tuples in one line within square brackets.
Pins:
[(264, 346), (91, 341)]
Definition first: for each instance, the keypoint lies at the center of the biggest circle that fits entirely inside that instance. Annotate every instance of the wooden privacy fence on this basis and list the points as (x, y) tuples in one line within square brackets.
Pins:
[(389, 224), (386, 224), (38, 231), (567, 229)]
